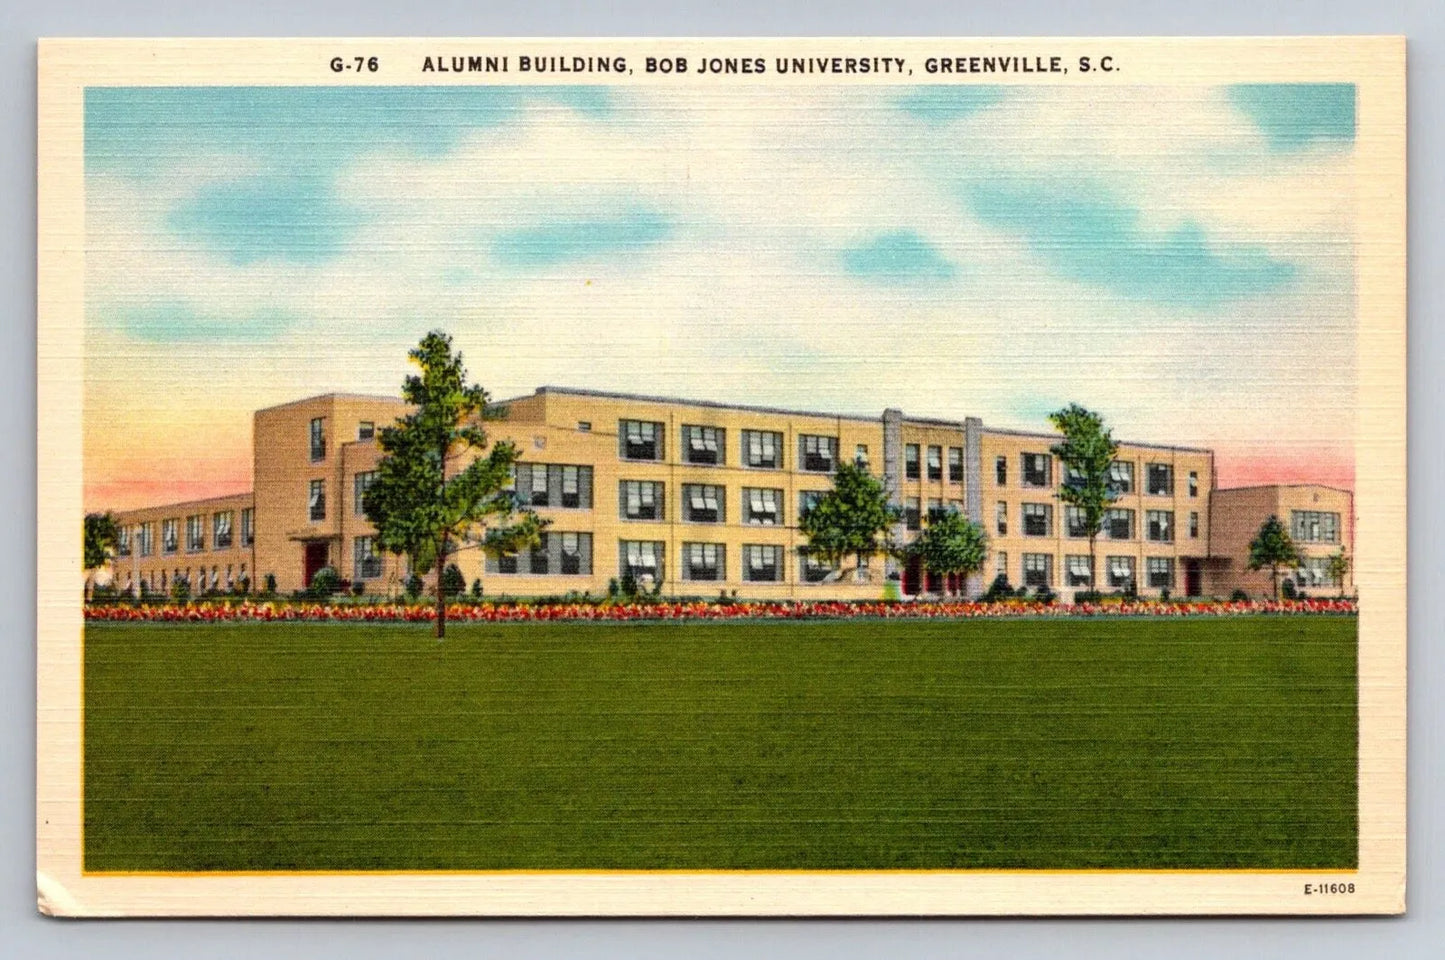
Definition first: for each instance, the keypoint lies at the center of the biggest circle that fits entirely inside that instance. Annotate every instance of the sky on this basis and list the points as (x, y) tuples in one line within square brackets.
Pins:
[(1178, 259)]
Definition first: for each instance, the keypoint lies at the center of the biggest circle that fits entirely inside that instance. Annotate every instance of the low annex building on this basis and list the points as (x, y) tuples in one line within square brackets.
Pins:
[(705, 498)]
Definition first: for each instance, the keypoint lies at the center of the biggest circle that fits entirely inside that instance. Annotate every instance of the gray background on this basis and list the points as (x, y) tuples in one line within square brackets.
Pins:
[(23, 933)]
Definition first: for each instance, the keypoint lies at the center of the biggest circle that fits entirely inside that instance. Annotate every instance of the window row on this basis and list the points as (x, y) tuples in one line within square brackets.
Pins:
[(919, 462), (139, 539), (1314, 526), (1120, 573), (1037, 520), (645, 561), (707, 446), (365, 430), (708, 503), (200, 580), (1036, 471)]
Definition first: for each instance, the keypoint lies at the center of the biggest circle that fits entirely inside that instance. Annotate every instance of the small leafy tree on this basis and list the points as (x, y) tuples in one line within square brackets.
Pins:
[(452, 582), (435, 492), (852, 519), (102, 534), (180, 589), (1338, 567), (1087, 453), (325, 582), (951, 544), (1273, 548)]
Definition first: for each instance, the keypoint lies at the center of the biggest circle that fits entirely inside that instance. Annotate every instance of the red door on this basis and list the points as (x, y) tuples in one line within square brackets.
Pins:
[(912, 575), (315, 559)]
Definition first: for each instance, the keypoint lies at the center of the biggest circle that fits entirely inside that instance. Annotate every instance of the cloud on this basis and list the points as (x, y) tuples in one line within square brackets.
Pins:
[(1293, 116), (298, 220), (944, 104), (566, 240), (1096, 239), (173, 321), (897, 256)]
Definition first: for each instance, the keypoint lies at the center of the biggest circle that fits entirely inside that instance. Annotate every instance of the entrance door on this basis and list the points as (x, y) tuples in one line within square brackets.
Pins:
[(912, 577), (316, 554), (1193, 579)]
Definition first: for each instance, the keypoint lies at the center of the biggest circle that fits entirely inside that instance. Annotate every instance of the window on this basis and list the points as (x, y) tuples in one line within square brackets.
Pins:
[(1194, 525), (1001, 519), (1314, 572), (538, 561), (554, 485), (1119, 524), (935, 463), (911, 514), (170, 535), (762, 506), (1121, 477), (860, 456), (318, 439), (1193, 483), (122, 541), (955, 464), (910, 461), (248, 526), (576, 553), (817, 454), (703, 561), (1121, 572), (1078, 571), (814, 570), (366, 563), (365, 430), (1000, 565), (1000, 471), (1038, 518), (1161, 480), (807, 500), (1160, 525), (144, 535), (221, 530), (316, 501), (639, 440), (1076, 522), (1038, 569), (762, 563), (506, 563), (762, 449), (1161, 572), (640, 500), (564, 553), (584, 426), (359, 485), (641, 558), (1314, 526), (1037, 468), (702, 444), (935, 510), (195, 533), (703, 503)]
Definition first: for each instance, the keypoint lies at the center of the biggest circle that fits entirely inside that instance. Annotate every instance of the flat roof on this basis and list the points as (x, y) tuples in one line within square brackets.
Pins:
[(682, 401), (178, 504), (1286, 486), (380, 397), (1123, 443)]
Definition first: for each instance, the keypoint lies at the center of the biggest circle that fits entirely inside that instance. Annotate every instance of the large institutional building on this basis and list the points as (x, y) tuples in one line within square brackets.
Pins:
[(705, 498)]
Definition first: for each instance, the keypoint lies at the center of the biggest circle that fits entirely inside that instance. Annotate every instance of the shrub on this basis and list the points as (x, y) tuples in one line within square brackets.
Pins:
[(325, 582), (1164, 595), (413, 586), (270, 583), (358, 589), (453, 584), (243, 586), (1000, 589), (1239, 596), (180, 590), (1045, 596), (1088, 596), (628, 584), (1287, 589), (477, 589)]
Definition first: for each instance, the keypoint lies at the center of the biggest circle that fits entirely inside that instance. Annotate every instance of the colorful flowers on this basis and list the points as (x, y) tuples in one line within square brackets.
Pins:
[(248, 611)]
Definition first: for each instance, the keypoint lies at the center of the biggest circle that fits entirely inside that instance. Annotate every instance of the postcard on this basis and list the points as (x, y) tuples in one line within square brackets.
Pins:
[(721, 477)]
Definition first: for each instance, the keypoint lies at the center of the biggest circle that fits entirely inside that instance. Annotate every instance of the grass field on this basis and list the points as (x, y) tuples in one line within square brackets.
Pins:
[(852, 744)]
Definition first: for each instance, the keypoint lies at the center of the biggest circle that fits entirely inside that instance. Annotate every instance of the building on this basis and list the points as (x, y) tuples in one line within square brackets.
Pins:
[(704, 498), (1320, 520)]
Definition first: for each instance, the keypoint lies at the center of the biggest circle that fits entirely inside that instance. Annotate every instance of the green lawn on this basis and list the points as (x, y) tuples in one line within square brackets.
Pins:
[(861, 744)]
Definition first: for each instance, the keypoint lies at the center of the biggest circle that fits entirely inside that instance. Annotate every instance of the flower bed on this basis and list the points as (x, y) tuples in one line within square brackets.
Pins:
[(207, 612)]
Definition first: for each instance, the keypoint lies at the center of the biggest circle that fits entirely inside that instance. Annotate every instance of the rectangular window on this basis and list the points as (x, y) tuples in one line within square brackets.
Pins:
[(1000, 564), (318, 439), (910, 461), (1121, 477), (1038, 569), (1314, 526), (807, 500), (1000, 471), (912, 514), (1121, 572), (170, 535), (584, 426), (365, 561), (1037, 469), (195, 533), (814, 570), (1161, 572), (762, 506), (359, 485), (703, 503), (221, 530), (506, 562), (1193, 483), (1119, 524), (1161, 480), (1194, 525), (248, 526), (1160, 525), (704, 445), (1076, 522), (122, 541), (145, 539), (316, 500), (572, 486), (566, 486), (703, 561), (860, 456), (935, 510), (642, 559), (1079, 572), (533, 477), (817, 454), (1001, 519), (762, 563), (955, 464), (640, 500), (564, 553), (1038, 519), (365, 430), (935, 463), (762, 449), (538, 561), (639, 440), (576, 553)]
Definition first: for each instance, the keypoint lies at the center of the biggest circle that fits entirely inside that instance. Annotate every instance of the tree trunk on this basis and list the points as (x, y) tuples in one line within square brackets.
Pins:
[(442, 590), (1274, 579), (1093, 564)]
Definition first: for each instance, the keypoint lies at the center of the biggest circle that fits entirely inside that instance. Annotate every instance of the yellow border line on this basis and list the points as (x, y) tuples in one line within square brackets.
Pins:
[(1045, 871)]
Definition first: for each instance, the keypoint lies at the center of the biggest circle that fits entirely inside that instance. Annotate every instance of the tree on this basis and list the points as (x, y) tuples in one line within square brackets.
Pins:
[(1087, 453), (1273, 548), (102, 534), (435, 493), (852, 519), (1338, 567), (951, 544)]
